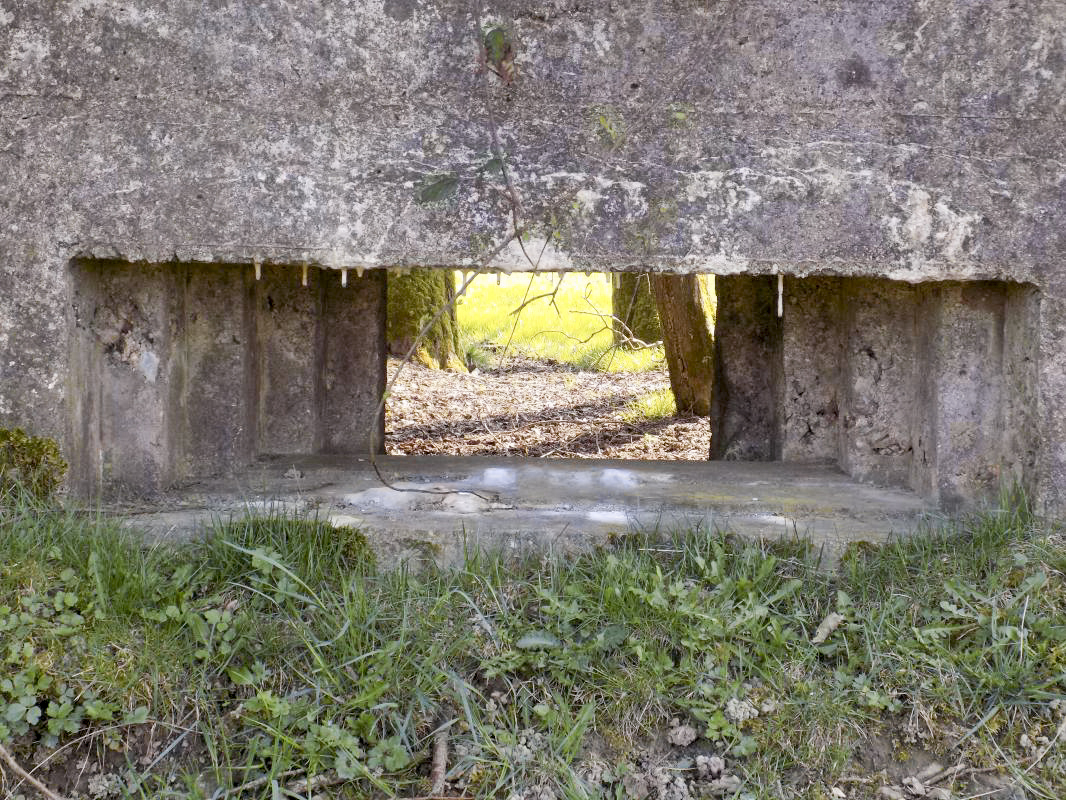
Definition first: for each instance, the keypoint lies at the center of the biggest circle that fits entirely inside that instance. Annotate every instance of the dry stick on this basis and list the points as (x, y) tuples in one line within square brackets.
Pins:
[(628, 338), (314, 784), (301, 786), (440, 761), (258, 783), (534, 299), (32, 781), (958, 771)]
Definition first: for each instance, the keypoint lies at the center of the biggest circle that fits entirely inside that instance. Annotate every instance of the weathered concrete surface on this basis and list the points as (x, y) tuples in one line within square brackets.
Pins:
[(746, 399), (187, 371), (932, 386), (441, 506), (917, 140)]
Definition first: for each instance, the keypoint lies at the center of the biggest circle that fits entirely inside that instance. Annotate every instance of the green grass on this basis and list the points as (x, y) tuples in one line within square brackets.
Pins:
[(659, 404), (572, 327), (274, 650)]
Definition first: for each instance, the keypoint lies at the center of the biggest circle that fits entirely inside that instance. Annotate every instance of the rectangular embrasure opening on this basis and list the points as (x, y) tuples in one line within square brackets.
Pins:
[(929, 386), (553, 364), (181, 372)]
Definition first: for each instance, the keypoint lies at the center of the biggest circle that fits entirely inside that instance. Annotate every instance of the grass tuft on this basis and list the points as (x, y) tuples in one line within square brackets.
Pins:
[(659, 404)]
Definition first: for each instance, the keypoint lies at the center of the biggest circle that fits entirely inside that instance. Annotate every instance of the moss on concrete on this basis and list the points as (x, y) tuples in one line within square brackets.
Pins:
[(31, 464)]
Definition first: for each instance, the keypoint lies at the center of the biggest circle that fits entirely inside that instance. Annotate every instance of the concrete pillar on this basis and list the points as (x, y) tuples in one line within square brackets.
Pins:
[(286, 315), (877, 380), (353, 364), (746, 404), (811, 352), (1051, 405), (1022, 428), (213, 344)]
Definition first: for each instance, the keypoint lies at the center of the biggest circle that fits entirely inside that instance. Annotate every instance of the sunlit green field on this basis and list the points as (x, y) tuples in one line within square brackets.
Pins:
[(569, 323)]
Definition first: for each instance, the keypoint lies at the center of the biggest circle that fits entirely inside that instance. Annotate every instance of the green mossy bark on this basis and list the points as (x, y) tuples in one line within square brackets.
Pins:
[(633, 303), (413, 299)]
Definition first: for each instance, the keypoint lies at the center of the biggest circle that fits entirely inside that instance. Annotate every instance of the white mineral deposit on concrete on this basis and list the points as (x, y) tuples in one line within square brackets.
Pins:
[(465, 503), (149, 365), (381, 497), (619, 479), (608, 517), (497, 478)]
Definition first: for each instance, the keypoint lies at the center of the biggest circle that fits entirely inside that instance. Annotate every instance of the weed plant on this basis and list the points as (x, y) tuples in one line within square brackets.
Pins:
[(274, 651)]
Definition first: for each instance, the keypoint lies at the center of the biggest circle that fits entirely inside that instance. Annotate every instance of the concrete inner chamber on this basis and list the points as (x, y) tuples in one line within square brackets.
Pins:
[(182, 372), (186, 373)]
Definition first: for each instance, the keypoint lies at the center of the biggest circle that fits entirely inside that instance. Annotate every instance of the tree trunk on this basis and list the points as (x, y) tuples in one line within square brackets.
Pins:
[(413, 299), (634, 307), (688, 341)]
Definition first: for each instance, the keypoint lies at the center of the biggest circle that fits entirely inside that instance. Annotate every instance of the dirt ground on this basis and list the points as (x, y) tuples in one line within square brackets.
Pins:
[(533, 408)]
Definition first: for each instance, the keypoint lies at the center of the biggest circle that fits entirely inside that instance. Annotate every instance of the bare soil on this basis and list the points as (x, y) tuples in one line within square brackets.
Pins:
[(533, 408)]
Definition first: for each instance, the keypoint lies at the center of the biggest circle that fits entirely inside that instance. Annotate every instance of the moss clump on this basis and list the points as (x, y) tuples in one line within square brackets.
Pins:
[(30, 464), (634, 307), (413, 299), (356, 548)]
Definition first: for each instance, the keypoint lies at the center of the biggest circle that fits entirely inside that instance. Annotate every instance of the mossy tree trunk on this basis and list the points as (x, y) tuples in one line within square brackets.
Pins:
[(687, 339), (633, 306), (413, 298)]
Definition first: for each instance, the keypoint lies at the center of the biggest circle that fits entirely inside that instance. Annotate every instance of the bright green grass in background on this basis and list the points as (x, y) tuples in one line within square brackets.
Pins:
[(569, 330), (659, 404)]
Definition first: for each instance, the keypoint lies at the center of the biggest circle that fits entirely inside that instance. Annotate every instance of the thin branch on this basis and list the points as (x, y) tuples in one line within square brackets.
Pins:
[(532, 300), (518, 314), (32, 781), (440, 761), (627, 335)]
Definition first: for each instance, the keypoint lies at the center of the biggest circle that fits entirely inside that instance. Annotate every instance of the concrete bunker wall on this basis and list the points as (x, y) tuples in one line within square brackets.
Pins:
[(184, 371), (917, 141), (929, 386)]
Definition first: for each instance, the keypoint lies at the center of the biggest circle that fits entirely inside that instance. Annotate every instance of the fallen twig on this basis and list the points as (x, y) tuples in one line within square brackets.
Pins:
[(440, 761), (308, 785), (32, 781)]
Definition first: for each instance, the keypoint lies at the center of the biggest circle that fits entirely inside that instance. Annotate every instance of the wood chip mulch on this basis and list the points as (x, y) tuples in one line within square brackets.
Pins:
[(531, 408)]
